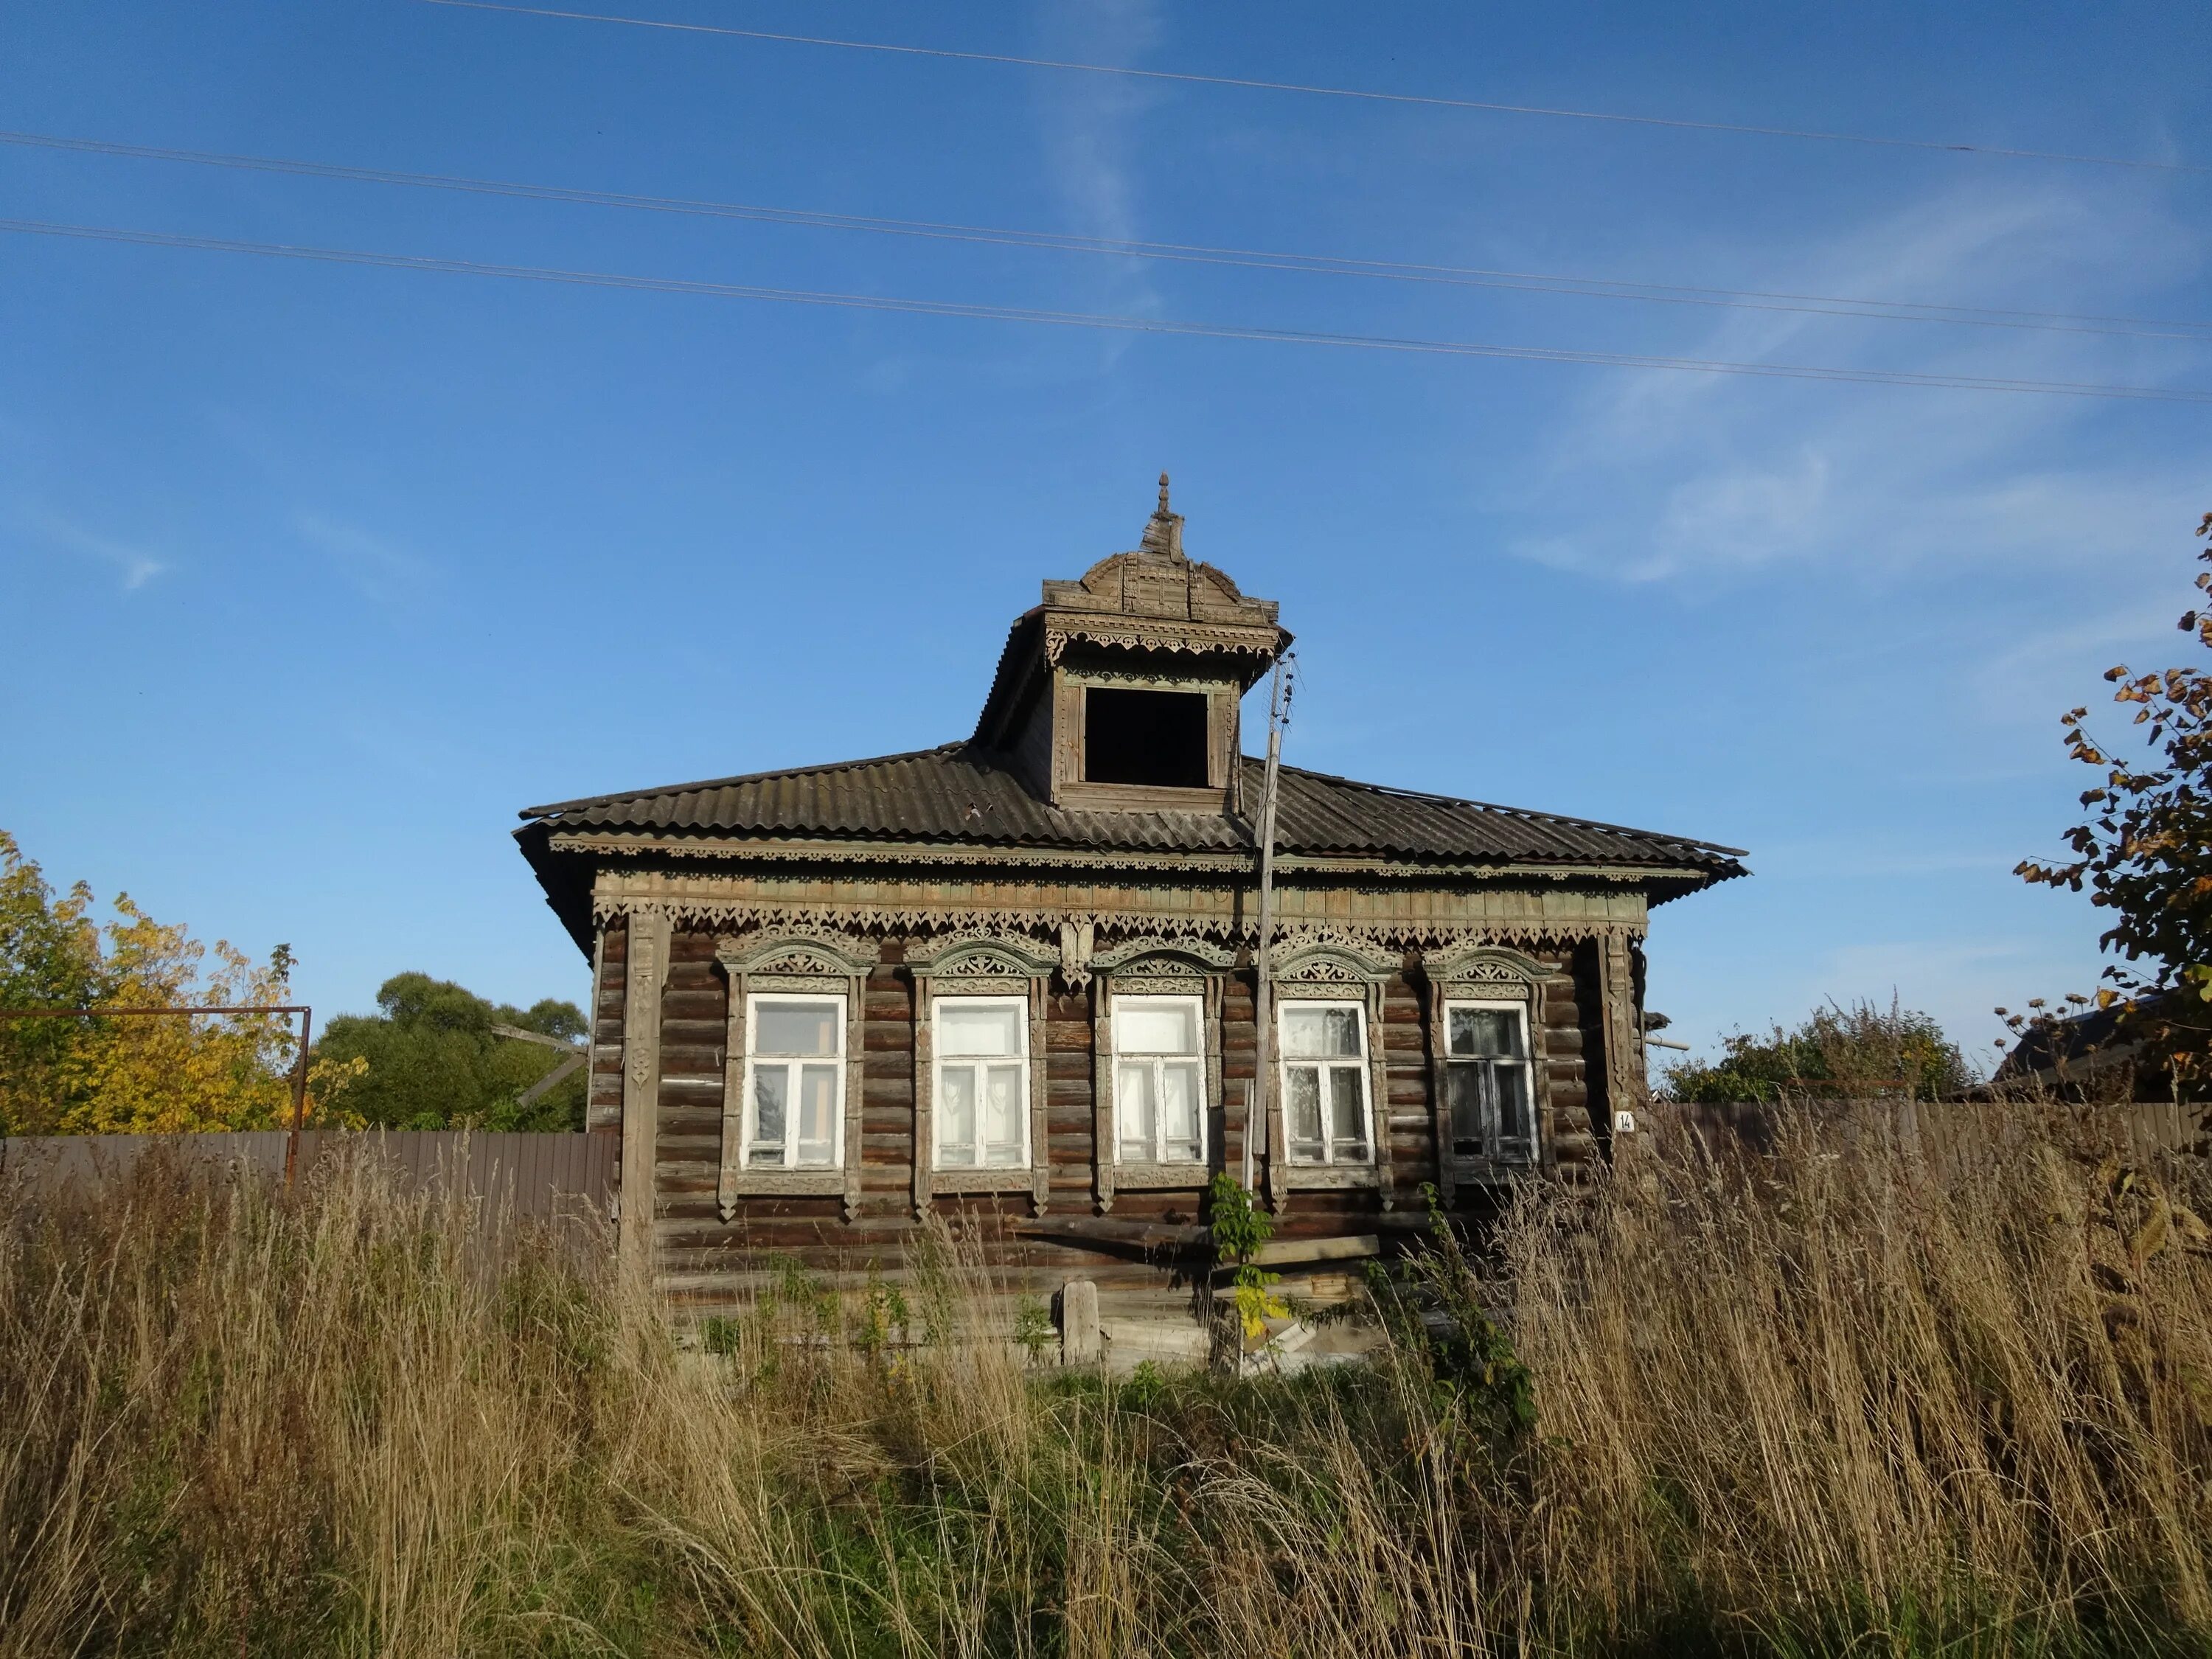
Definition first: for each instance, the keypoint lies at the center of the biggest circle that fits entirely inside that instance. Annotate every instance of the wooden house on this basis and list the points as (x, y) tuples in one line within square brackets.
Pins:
[(1010, 980)]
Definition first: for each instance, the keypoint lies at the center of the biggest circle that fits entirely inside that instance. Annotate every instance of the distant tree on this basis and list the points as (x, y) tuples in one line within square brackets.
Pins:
[(138, 1075), (2145, 854), (434, 1063), (1837, 1053)]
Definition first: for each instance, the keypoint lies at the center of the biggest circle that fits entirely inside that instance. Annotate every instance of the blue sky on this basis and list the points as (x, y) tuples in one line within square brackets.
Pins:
[(315, 573)]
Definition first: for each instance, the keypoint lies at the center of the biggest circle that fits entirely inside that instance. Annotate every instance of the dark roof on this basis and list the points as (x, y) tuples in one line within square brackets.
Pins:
[(959, 794)]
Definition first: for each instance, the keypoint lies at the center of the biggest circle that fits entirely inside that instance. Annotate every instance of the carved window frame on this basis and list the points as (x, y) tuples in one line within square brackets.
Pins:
[(1490, 1002), (802, 962), (1153, 965), (1491, 975), (750, 1060), (1329, 1165), (1318, 967), (1001, 967), (1194, 998), (1019, 1059)]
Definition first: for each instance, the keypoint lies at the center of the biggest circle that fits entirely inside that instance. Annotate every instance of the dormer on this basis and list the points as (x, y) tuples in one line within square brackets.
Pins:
[(1121, 692)]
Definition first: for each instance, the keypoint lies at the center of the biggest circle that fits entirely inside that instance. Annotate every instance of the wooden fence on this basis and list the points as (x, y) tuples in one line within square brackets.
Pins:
[(526, 1176)]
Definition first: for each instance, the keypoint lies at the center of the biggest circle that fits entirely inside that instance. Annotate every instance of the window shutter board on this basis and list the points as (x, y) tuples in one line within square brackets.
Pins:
[(733, 1100), (1039, 1063), (1102, 1148)]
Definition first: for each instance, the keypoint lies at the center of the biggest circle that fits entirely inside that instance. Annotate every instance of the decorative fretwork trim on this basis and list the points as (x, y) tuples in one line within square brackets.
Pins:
[(1234, 863), (1197, 954), (1198, 638), (969, 952), (1387, 921)]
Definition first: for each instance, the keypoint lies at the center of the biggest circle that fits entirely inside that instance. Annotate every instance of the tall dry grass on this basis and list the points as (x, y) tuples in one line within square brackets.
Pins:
[(1862, 1395)]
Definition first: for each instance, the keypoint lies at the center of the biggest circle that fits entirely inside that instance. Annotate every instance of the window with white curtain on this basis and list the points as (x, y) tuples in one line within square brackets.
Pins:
[(1488, 1082), (1324, 1082), (794, 1082), (1159, 1077), (981, 1113)]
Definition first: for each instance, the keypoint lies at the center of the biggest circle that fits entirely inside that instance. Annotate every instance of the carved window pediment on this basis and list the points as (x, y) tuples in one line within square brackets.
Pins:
[(799, 951), (981, 956), (1156, 954), (1323, 959)]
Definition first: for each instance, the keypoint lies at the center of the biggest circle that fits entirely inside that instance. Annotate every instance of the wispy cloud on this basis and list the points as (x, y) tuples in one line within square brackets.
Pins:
[(1091, 130), (1693, 475), (137, 566), (380, 567)]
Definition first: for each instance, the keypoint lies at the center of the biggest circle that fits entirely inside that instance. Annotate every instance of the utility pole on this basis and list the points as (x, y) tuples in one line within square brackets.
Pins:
[(1255, 1104)]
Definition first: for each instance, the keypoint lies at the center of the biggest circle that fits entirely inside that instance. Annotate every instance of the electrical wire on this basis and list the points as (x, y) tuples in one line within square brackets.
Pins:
[(1330, 92), (1604, 288), (1098, 321)]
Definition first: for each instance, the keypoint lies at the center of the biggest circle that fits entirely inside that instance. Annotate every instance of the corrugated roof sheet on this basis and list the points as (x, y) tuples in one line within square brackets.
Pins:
[(958, 794)]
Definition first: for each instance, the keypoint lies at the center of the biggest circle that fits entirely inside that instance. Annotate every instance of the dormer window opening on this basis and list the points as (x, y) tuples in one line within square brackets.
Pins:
[(1152, 737)]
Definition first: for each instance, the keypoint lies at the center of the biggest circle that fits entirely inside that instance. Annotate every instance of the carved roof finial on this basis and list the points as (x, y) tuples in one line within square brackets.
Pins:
[(1163, 534)]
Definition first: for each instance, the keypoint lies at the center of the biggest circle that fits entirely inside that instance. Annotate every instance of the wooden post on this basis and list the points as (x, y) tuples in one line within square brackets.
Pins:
[(1256, 1103)]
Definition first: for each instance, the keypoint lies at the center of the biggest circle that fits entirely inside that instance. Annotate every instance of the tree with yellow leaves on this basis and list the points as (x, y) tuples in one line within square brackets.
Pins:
[(146, 1074)]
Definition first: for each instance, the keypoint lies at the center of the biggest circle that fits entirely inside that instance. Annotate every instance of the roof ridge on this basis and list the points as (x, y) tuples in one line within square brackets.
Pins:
[(553, 807), (1511, 811)]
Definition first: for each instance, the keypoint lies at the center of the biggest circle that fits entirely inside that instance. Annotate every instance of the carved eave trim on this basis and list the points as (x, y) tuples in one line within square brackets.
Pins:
[(1228, 862), (1120, 631)]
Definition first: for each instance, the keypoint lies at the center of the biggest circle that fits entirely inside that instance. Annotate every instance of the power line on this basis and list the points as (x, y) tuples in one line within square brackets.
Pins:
[(1604, 288), (1105, 322), (1329, 92)]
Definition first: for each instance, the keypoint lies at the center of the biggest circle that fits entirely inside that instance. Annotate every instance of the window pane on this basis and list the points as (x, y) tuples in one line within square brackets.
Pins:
[(1144, 1025), (1487, 1032), (1002, 1115), (795, 1028), (1319, 1031), (1132, 1101), (771, 1095), (1347, 1117), (1463, 1096), (1303, 1109), (956, 1114), (1179, 1091), (1513, 1117), (968, 1028), (818, 1113)]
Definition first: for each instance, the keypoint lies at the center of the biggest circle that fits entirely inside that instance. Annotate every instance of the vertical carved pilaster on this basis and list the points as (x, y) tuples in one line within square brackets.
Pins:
[(856, 1066), (924, 1093), (647, 976), (1379, 1075), (1624, 1082), (1439, 1105)]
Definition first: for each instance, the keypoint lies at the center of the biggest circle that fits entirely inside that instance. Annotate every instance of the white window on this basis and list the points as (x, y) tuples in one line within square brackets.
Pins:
[(1324, 1048), (982, 1112), (1159, 1106), (794, 1082), (1487, 1089)]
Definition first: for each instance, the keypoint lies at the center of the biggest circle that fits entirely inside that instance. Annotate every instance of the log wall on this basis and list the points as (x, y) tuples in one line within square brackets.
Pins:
[(703, 1260)]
